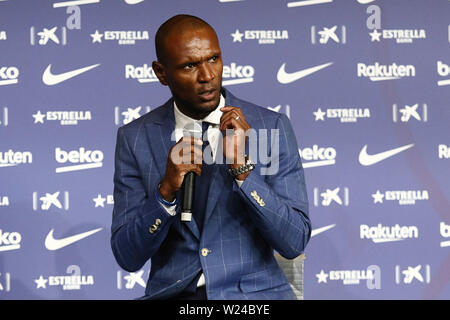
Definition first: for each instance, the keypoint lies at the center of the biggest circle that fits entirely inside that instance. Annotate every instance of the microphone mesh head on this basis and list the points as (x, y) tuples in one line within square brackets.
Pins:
[(193, 129)]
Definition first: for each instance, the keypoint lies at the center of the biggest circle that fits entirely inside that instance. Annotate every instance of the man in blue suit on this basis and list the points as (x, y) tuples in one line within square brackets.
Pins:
[(243, 209)]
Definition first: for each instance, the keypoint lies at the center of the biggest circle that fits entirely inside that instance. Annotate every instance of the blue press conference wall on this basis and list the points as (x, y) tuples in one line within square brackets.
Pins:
[(366, 85)]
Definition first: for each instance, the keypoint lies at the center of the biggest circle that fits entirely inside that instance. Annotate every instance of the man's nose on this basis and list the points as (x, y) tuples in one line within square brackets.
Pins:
[(206, 73)]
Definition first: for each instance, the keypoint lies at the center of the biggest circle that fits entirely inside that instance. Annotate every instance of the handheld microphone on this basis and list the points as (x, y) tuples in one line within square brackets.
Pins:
[(194, 130)]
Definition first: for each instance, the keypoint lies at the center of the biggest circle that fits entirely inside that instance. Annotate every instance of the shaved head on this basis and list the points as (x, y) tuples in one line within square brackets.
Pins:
[(176, 25), (190, 64)]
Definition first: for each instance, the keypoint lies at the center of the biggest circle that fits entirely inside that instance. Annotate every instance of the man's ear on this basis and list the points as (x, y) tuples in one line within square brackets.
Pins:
[(158, 69)]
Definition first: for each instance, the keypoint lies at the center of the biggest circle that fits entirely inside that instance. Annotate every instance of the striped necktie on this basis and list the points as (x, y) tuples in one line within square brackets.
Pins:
[(202, 183)]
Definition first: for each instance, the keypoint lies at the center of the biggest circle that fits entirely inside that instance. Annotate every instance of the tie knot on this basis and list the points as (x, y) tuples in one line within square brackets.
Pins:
[(205, 126)]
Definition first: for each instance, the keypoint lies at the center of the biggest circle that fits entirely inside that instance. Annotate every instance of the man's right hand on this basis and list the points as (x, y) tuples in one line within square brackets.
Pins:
[(184, 156)]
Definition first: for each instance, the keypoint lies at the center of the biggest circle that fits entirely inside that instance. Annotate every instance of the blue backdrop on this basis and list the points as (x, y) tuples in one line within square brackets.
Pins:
[(365, 83)]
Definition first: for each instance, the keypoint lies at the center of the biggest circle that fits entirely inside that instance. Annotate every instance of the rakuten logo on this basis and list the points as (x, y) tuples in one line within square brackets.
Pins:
[(143, 74), (8, 75), (379, 72), (382, 233), (235, 74), (444, 151), (317, 157), (9, 240), (12, 158), (80, 159)]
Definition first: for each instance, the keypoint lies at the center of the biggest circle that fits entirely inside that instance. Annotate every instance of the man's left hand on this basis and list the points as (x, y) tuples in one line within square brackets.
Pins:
[(234, 144)]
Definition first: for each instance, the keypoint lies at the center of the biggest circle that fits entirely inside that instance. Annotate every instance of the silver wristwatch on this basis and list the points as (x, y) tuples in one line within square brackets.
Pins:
[(248, 166)]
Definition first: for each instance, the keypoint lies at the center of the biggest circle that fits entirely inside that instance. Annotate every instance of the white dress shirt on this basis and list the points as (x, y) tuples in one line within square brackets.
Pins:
[(181, 120)]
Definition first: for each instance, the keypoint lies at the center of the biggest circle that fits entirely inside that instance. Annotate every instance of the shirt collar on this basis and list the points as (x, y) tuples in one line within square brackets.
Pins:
[(214, 117)]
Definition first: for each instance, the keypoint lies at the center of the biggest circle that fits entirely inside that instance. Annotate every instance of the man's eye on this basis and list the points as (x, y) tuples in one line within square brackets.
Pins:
[(213, 59), (189, 66)]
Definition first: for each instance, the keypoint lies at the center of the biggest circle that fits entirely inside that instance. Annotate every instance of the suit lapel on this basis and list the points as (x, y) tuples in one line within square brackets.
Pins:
[(159, 134), (217, 189), (160, 131)]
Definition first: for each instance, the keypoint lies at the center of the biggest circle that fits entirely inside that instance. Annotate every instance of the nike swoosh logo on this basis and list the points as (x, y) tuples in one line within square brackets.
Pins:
[(365, 1), (315, 232), (368, 160), (54, 244), (51, 79), (133, 1), (284, 77)]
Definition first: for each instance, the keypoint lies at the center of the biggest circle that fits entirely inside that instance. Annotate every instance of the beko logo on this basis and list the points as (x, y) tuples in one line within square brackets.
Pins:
[(236, 74), (9, 240), (316, 157), (443, 70), (9, 75), (80, 159)]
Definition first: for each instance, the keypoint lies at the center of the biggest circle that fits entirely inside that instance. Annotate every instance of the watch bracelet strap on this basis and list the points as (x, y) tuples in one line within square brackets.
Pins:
[(242, 169)]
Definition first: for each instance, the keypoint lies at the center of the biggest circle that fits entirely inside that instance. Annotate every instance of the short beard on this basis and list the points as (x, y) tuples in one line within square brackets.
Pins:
[(194, 111)]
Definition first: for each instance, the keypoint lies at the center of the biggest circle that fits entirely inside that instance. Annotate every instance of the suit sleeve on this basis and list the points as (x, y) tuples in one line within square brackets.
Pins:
[(139, 222), (277, 198)]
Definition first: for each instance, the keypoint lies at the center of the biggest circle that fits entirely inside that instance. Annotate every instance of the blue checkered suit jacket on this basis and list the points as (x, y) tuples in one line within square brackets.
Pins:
[(242, 227)]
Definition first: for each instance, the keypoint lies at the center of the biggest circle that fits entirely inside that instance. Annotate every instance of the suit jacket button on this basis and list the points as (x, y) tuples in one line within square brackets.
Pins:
[(157, 222), (205, 252), (153, 228)]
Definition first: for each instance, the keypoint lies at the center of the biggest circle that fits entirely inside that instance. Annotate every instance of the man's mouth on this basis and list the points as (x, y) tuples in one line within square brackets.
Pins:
[(207, 95)]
